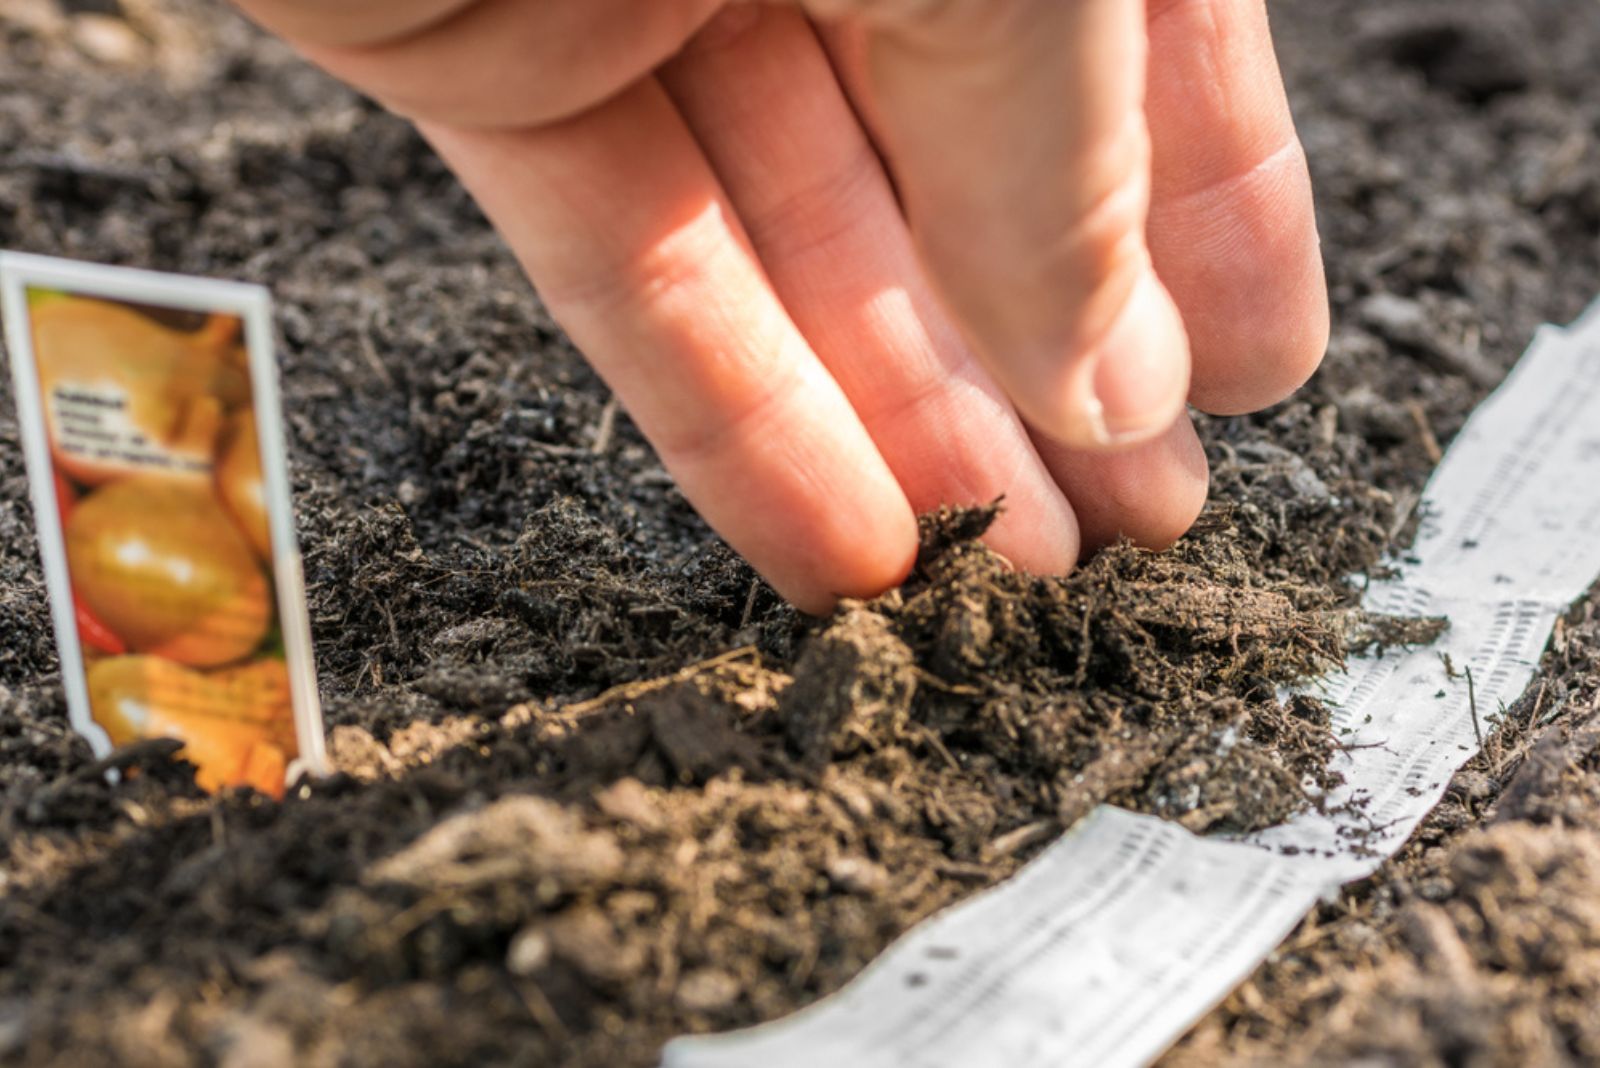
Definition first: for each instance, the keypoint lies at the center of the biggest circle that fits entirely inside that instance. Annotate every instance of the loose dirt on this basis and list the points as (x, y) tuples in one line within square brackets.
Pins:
[(597, 785)]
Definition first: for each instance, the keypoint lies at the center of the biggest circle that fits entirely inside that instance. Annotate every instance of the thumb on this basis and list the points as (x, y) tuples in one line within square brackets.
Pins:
[(1016, 133)]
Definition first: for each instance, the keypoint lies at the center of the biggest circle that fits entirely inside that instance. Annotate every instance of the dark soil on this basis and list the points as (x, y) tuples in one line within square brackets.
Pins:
[(597, 784)]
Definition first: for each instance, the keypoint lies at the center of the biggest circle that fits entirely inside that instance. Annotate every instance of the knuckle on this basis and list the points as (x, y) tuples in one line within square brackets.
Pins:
[(735, 421), (1163, 492), (1107, 244)]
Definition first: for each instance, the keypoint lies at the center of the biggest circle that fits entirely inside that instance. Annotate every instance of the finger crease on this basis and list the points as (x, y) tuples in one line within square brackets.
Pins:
[(1288, 154), (820, 214), (735, 419)]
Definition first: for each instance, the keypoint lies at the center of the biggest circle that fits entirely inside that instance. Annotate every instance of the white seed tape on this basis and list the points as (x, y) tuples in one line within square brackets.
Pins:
[(1120, 936)]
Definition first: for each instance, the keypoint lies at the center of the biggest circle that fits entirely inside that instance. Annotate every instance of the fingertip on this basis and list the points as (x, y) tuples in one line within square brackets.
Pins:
[(1141, 372), (1246, 268), (1261, 355), (875, 560), (1151, 494), (1038, 533), (1232, 225), (1128, 389), (1179, 479), (842, 554)]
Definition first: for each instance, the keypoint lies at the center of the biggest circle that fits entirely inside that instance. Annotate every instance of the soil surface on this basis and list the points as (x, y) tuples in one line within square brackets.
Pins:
[(597, 785)]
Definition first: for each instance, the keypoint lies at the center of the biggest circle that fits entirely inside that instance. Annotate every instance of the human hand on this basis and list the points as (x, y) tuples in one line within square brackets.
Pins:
[(911, 253)]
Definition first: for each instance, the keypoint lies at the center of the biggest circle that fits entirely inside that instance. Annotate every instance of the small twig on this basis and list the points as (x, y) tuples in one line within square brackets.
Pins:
[(1343, 748), (368, 347), (1558, 706), (606, 429), (1430, 443), (1405, 504), (1472, 701), (1372, 830), (632, 691), (925, 677), (1085, 646), (542, 1011), (1021, 838), (74, 166), (938, 746), (1533, 713), (560, 452), (956, 869), (407, 921), (750, 604)]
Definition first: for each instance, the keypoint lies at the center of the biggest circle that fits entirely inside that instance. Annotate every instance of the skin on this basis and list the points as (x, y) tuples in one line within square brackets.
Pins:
[(848, 260)]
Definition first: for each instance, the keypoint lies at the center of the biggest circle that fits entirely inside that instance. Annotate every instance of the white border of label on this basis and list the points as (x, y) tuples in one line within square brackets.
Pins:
[(253, 305)]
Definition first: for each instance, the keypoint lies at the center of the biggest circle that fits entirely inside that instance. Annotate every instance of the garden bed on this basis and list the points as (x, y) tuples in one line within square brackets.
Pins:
[(597, 785)]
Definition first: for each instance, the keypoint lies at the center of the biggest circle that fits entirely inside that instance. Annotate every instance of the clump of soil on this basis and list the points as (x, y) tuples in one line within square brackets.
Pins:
[(598, 785), (701, 850)]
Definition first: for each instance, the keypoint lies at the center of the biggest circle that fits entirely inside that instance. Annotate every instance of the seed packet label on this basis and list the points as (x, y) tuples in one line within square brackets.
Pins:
[(148, 410)]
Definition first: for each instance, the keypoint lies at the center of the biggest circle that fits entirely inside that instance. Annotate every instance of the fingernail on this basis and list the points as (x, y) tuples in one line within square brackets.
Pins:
[(1141, 378), (1119, 411)]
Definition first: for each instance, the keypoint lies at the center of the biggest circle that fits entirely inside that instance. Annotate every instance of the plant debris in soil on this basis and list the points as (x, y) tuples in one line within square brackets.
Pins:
[(597, 785)]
